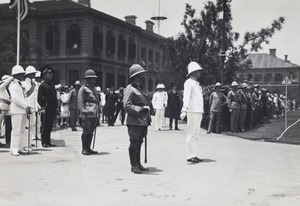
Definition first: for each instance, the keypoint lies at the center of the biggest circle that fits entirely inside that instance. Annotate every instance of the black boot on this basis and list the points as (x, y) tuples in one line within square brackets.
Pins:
[(84, 145), (132, 155), (140, 166), (89, 143)]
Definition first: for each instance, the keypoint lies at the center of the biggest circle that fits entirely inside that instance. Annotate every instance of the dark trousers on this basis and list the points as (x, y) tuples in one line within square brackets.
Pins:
[(88, 125), (47, 123), (136, 135), (73, 117), (214, 116), (8, 128), (121, 109)]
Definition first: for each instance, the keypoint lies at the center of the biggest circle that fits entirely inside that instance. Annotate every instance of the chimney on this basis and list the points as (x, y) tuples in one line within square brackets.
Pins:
[(149, 25), (85, 2), (273, 52), (286, 58), (130, 19)]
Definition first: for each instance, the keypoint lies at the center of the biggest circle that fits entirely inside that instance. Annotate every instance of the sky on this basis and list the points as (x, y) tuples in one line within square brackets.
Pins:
[(248, 15)]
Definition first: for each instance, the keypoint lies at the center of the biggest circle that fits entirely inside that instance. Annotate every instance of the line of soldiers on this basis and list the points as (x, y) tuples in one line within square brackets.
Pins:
[(243, 107)]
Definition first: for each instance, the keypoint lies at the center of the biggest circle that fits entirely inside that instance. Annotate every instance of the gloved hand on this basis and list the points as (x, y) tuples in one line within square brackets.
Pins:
[(28, 110), (145, 109), (182, 115)]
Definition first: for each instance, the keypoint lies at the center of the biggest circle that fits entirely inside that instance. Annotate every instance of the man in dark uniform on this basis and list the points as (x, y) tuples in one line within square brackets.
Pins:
[(110, 105), (88, 105), (120, 106), (138, 118), (48, 101), (174, 106)]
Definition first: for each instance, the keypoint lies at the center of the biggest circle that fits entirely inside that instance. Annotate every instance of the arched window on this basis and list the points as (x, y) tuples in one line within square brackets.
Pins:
[(97, 40), (131, 48), (52, 38), (150, 85), (73, 37), (110, 42), (121, 46)]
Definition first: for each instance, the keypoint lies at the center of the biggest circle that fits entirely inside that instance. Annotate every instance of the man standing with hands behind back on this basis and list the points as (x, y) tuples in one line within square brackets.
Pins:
[(193, 109), (47, 99)]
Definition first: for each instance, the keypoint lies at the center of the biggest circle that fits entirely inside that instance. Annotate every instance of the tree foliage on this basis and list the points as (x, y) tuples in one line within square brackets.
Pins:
[(202, 42), (8, 49)]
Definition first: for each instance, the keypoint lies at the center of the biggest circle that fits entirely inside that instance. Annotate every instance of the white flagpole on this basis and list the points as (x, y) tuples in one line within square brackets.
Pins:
[(18, 34)]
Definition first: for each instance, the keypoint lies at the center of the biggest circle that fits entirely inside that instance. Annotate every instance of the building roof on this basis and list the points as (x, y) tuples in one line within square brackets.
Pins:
[(262, 60)]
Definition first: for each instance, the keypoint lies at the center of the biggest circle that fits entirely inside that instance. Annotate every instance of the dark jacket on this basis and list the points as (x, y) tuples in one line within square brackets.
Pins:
[(134, 100), (47, 95)]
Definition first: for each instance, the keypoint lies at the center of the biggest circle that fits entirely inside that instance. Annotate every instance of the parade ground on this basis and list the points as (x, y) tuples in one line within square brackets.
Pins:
[(235, 172)]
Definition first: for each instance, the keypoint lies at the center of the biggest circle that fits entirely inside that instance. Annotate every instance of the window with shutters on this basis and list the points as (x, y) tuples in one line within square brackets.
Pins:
[(121, 48), (131, 50), (73, 39), (278, 78), (52, 38), (97, 41), (110, 44)]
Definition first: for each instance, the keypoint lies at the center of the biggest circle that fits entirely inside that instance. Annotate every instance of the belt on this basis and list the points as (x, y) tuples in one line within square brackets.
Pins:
[(5, 101)]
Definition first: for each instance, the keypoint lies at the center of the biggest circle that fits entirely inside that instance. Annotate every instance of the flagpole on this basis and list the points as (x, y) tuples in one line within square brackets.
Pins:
[(18, 34)]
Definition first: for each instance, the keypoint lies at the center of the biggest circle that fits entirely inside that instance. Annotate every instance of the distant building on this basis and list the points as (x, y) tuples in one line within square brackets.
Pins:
[(78, 37), (270, 71)]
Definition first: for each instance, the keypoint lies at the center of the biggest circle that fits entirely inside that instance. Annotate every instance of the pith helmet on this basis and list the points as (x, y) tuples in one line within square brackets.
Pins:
[(38, 74), (160, 86), (218, 84), (77, 83), (234, 84), (30, 70), (244, 85), (17, 70), (135, 69), (90, 74), (193, 66)]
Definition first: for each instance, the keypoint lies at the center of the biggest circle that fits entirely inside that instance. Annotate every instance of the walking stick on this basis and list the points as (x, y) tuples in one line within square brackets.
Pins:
[(94, 137), (145, 149), (36, 126), (28, 117)]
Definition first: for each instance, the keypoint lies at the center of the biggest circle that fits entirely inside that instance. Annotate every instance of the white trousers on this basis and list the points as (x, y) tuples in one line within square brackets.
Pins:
[(18, 134), (193, 132), (2, 126), (158, 118), (32, 125)]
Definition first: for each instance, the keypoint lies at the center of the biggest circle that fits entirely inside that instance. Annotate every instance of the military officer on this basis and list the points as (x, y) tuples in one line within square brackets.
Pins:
[(138, 116), (88, 106)]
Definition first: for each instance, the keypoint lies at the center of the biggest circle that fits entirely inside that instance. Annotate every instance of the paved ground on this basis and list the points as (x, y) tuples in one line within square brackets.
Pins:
[(235, 172)]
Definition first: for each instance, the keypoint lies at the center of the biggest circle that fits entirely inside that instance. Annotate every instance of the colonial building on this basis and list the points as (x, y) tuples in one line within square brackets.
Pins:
[(269, 72), (77, 37)]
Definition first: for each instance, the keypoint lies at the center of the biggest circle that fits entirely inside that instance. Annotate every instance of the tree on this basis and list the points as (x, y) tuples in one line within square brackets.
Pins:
[(8, 50), (202, 42)]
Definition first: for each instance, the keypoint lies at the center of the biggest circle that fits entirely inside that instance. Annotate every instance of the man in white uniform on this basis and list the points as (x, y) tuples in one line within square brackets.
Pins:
[(159, 102), (19, 108), (193, 109), (31, 90)]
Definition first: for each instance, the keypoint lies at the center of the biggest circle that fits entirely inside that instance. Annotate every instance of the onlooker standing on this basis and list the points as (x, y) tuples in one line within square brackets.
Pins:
[(64, 107), (216, 100), (102, 103), (72, 99), (19, 109), (88, 105), (31, 90), (234, 107), (47, 99), (5, 101), (37, 80), (138, 116), (193, 108), (174, 107), (243, 106), (120, 105), (110, 105), (159, 102)]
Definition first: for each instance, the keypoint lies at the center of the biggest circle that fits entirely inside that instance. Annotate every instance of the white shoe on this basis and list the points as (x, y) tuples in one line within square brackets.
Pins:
[(26, 149), (15, 153)]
